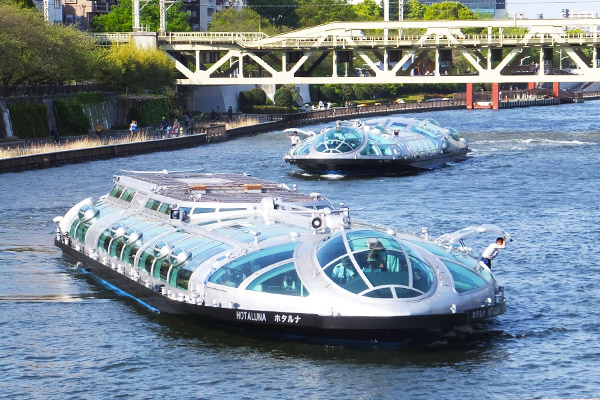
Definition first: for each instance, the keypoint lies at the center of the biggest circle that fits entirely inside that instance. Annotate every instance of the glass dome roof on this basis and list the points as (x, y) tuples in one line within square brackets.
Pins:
[(339, 140), (374, 264)]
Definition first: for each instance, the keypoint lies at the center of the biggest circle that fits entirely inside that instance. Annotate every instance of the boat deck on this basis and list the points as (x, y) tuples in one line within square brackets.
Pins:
[(227, 188)]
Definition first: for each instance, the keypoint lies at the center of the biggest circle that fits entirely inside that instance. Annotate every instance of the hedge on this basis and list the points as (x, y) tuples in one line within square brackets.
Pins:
[(70, 117), (29, 120), (267, 110)]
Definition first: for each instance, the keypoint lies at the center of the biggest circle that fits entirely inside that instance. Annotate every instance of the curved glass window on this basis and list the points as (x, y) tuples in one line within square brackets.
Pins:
[(128, 195), (383, 293), (342, 140), (180, 275), (458, 258), (387, 269), (152, 204), (203, 210), (116, 246), (116, 191), (371, 149), (422, 275), (235, 272), (464, 279), (303, 149), (330, 250), (104, 240), (344, 274), (81, 230), (281, 280)]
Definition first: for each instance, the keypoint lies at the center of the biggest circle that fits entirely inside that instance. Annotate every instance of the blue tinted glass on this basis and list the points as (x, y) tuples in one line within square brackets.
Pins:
[(464, 280), (234, 273), (330, 250), (281, 280)]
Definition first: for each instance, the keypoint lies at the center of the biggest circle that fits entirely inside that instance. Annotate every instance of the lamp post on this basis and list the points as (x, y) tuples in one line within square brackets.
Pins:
[(523, 59)]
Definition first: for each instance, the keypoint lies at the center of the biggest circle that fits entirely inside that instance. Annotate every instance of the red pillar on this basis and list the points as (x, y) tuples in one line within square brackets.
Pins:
[(531, 86), (495, 96), (556, 89), (469, 96)]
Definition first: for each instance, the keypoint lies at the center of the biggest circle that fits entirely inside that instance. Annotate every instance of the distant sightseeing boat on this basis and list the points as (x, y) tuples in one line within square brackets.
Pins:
[(258, 255), (395, 145)]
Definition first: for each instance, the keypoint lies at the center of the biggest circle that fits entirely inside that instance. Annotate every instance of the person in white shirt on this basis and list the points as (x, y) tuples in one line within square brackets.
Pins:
[(295, 139), (492, 251)]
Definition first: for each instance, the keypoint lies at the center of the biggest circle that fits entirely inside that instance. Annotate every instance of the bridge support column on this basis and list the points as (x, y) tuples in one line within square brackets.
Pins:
[(495, 96), (469, 96), (556, 89)]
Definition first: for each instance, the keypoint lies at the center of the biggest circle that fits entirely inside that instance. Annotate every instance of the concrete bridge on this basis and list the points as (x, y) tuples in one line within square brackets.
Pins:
[(428, 52)]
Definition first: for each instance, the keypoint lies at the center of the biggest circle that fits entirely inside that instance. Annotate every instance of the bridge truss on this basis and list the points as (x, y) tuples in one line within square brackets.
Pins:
[(482, 51)]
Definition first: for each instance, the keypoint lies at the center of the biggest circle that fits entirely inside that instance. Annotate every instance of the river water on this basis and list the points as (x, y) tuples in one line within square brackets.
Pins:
[(533, 171)]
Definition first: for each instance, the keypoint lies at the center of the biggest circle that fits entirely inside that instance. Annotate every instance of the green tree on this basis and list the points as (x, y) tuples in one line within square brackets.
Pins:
[(33, 51), (244, 20), (448, 10), (136, 70), (283, 97), (119, 18), (414, 10), (368, 10), (316, 12), (281, 14)]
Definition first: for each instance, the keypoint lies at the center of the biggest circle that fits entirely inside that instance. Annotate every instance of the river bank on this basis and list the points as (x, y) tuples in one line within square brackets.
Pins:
[(218, 133)]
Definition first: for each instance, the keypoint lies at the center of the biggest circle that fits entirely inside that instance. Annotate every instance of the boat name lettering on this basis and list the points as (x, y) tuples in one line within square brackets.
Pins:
[(250, 316), (486, 312), (287, 318)]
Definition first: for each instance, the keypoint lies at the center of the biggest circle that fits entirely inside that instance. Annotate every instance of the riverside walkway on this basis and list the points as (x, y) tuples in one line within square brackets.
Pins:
[(216, 132)]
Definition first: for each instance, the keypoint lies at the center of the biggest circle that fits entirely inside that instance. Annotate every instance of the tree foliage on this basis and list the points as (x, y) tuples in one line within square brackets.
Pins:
[(316, 12), (448, 10), (133, 69), (33, 51), (413, 9), (368, 10), (243, 20), (282, 14), (283, 97), (119, 18)]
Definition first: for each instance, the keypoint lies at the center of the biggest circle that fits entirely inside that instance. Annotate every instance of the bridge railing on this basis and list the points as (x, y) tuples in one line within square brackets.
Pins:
[(108, 38), (358, 110), (211, 37)]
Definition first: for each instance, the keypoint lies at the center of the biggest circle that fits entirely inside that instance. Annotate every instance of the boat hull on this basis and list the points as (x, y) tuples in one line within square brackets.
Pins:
[(363, 166), (340, 327)]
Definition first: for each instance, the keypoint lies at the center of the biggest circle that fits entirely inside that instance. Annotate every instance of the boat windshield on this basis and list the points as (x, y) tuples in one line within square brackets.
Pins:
[(374, 264), (339, 140)]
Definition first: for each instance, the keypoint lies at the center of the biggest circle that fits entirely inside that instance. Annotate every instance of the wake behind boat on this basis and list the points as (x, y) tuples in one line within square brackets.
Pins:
[(396, 145), (256, 254)]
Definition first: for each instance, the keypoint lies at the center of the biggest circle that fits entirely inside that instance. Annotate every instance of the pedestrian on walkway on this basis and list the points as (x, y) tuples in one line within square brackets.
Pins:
[(54, 133)]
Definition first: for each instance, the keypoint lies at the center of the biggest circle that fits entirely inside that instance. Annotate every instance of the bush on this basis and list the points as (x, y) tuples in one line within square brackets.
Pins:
[(245, 99), (363, 92), (29, 120), (151, 111), (330, 93), (259, 97), (70, 118), (283, 98), (267, 110)]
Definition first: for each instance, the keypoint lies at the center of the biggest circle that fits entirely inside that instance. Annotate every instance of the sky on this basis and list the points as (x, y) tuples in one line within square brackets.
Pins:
[(551, 8)]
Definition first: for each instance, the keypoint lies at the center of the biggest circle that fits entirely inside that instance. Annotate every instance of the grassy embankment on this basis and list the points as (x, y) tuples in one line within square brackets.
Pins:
[(76, 143)]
